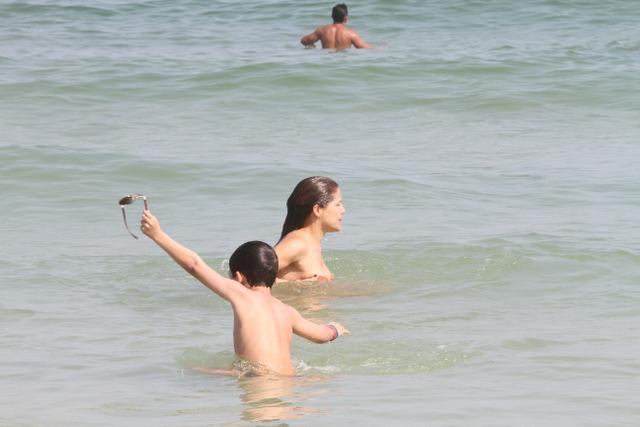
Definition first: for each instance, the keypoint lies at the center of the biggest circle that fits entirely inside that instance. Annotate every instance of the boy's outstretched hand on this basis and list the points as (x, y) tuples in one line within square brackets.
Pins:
[(341, 329), (150, 225)]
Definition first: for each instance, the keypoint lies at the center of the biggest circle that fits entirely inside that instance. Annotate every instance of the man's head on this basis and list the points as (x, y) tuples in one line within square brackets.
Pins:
[(256, 261), (339, 13)]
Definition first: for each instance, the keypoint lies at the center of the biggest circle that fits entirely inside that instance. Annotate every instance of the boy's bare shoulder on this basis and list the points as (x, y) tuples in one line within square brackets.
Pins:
[(291, 312)]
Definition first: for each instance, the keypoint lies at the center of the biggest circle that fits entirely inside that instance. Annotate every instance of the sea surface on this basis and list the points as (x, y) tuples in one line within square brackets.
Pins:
[(488, 154)]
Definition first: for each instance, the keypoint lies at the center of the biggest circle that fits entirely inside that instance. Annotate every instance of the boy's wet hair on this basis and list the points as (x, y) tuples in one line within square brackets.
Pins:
[(257, 261), (339, 12)]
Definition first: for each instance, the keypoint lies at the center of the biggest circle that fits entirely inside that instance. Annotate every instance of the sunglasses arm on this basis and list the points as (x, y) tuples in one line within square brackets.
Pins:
[(124, 217)]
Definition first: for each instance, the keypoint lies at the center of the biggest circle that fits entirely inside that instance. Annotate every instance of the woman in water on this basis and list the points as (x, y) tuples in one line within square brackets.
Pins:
[(313, 209)]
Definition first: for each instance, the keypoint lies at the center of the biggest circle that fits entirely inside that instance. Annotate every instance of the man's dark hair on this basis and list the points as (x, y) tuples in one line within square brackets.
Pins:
[(257, 261), (339, 12)]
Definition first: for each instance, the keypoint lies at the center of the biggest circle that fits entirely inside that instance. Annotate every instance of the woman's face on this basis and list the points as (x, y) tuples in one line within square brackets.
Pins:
[(331, 215)]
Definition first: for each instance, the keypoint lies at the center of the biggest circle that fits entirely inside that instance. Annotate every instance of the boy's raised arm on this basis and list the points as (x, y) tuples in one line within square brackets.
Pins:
[(190, 261), (314, 332)]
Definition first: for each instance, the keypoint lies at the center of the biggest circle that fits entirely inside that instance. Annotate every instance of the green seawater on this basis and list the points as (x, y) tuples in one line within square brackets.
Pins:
[(487, 152)]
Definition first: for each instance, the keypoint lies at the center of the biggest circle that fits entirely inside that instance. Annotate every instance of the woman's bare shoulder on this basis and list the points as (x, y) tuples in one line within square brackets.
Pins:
[(294, 241)]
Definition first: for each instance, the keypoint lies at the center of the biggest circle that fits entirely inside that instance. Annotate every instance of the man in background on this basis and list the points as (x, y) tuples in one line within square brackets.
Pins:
[(336, 35)]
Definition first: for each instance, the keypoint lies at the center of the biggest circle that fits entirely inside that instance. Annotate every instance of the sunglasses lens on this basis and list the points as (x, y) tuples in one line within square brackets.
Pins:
[(126, 200), (130, 198)]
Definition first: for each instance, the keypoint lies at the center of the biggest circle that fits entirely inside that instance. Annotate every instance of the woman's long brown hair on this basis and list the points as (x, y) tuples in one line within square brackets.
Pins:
[(309, 192)]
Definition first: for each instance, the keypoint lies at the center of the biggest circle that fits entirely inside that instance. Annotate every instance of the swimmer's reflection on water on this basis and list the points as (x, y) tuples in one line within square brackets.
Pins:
[(270, 396)]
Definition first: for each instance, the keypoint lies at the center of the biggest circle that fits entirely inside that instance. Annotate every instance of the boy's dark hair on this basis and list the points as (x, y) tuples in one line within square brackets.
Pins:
[(257, 261), (339, 12)]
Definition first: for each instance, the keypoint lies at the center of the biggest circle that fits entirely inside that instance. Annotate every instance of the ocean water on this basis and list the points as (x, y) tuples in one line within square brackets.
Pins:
[(487, 152)]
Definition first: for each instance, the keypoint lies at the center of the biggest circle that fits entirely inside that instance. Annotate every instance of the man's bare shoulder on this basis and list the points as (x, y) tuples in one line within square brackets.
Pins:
[(352, 33), (325, 27), (325, 30)]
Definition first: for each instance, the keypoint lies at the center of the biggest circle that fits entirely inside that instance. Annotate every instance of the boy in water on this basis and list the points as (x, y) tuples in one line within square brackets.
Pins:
[(263, 325), (336, 35)]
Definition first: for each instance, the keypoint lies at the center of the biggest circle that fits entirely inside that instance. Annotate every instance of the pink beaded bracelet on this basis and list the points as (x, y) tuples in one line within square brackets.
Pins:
[(336, 334)]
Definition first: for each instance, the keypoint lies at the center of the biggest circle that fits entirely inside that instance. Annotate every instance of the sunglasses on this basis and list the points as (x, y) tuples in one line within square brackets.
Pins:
[(127, 200)]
